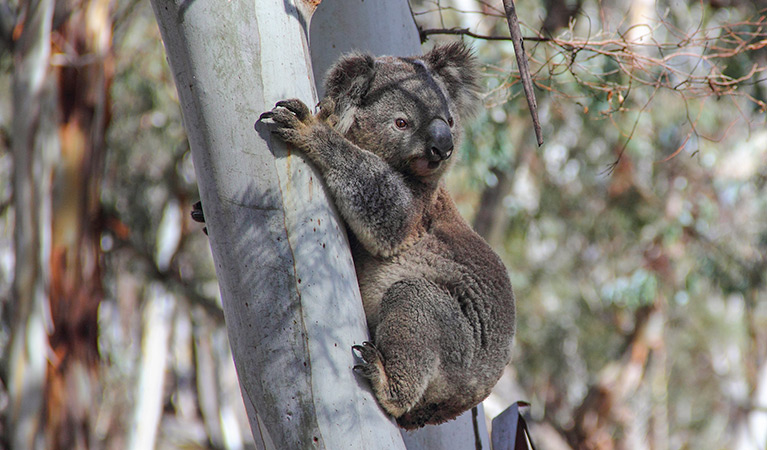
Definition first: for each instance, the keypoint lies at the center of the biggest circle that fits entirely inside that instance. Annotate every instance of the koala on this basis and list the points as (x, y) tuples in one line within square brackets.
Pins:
[(438, 300)]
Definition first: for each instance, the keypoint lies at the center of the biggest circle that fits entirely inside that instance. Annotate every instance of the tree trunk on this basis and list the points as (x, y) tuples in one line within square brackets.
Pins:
[(287, 280), (155, 342), (83, 67), (33, 142), (290, 297)]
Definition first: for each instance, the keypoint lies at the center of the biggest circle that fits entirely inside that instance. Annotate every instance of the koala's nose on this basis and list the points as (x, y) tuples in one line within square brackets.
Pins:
[(440, 140)]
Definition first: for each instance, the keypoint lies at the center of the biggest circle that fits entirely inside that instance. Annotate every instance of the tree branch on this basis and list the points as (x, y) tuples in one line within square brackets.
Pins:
[(524, 68), (456, 31)]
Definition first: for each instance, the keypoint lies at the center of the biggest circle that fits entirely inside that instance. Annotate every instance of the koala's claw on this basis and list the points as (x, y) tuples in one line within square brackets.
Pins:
[(371, 359), (295, 106), (199, 216), (291, 121), (282, 117), (265, 115), (367, 351), (285, 113)]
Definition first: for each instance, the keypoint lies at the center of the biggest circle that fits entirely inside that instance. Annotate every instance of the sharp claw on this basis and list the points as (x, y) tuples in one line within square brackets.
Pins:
[(295, 106), (266, 115), (367, 352), (198, 216)]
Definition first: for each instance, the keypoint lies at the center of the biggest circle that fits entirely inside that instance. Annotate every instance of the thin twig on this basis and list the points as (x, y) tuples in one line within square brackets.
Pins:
[(694, 65), (456, 31), (524, 68)]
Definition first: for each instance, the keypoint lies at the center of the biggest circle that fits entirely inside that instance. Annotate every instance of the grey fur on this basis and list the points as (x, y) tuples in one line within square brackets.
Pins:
[(438, 300)]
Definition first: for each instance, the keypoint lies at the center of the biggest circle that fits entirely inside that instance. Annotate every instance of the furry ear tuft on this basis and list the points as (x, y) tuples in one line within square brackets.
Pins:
[(346, 83), (456, 65), (350, 77)]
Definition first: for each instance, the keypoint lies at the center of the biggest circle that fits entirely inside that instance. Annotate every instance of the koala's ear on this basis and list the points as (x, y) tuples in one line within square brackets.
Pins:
[(456, 65), (349, 78), (346, 84)]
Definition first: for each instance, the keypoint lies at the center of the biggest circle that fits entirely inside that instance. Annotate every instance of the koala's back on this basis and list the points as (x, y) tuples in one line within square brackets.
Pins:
[(459, 293)]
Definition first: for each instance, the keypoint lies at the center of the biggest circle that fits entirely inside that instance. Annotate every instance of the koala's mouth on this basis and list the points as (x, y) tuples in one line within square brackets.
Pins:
[(424, 166)]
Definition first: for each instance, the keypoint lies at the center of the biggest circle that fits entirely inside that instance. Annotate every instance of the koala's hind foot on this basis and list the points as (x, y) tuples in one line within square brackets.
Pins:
[(421, 366), (405, 361), (394, 392), (372, 361), (372, 368)]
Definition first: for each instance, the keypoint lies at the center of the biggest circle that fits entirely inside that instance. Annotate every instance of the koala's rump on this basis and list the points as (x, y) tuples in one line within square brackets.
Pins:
[(475, 312), (455, 259)]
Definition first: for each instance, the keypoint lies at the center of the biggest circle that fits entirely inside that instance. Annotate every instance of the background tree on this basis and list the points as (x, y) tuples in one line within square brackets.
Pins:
[(60, 85)]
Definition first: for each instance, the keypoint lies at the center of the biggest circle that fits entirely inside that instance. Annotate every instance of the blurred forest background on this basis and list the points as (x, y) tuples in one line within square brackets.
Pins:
[(636, 237)]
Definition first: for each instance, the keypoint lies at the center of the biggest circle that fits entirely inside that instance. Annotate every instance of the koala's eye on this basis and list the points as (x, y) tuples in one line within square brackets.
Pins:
[(450, 121), (401, 123)]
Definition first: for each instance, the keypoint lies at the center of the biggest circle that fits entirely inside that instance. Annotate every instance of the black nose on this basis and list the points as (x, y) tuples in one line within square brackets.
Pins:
[(440, 140)]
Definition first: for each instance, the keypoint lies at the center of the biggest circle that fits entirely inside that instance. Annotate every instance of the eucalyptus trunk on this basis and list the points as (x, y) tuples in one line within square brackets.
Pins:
[(287, 280)]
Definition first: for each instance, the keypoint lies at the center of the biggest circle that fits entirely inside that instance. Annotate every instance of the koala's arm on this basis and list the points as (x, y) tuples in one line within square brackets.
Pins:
[(373, 199)]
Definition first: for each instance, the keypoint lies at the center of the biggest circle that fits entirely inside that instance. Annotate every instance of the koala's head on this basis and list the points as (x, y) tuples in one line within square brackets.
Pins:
[(408, 111)]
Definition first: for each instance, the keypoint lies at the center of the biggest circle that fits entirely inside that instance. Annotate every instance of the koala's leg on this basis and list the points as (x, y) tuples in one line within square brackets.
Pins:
[(419, 325)]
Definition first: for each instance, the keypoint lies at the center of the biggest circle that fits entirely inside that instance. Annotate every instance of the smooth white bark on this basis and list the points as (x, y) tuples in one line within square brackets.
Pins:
[(287, 280), (376, 27), (158, 315)]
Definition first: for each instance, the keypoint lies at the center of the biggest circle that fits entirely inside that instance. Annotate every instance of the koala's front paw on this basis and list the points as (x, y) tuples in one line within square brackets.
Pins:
[(372, 361), (292, 120)]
